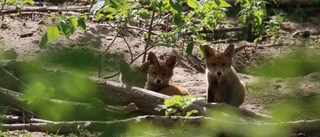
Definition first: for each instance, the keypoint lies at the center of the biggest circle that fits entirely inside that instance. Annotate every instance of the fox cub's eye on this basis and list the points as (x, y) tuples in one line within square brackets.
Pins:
[(154, 73), (224, 64), (213, 64)]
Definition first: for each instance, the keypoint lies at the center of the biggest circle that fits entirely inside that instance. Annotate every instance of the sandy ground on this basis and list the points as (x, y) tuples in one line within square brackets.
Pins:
[(188, 72)]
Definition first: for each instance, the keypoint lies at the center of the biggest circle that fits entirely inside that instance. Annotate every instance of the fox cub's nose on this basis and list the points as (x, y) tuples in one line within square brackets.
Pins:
[(158, 81), (219, 73)]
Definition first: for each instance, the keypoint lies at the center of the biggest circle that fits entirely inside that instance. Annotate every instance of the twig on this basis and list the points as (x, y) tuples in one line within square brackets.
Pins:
[(91, 4), (142, 53), (29, 34), (10, 74), (100, 56), (141, 29), (265, 46), (21, 119), (124, 39), (149, 34), (4, 3), (47, 9), (225, 41), (13, 98), (131, 54), (219, 30)]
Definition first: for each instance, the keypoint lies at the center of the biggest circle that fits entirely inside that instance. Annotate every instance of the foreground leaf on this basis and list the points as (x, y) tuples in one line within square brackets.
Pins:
[(66, 28), (82, 24), (43, 40), (189, 48), (53, 33), (192, 3), (74, 21), (176, 5)]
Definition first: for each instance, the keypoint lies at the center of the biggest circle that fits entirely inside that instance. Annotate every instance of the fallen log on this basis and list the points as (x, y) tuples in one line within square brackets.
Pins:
[(84, 111), (118, 94), (146, 100), (167, 122), (12, 9)]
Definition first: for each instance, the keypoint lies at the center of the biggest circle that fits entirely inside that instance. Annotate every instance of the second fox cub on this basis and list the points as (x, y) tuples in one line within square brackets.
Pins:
[(224, 85), (159, 75), (135, 76)]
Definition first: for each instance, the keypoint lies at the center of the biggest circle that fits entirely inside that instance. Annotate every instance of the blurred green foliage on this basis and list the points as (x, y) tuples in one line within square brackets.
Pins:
[(178, 105), (299, 63)]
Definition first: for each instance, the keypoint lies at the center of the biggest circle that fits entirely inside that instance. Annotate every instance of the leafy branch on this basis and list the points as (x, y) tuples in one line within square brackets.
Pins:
[(177, 106), (65, 26)]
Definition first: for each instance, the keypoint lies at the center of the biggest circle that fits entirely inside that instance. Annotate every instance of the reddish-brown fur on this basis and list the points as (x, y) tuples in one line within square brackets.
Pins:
[(224, 85), (159, 75)]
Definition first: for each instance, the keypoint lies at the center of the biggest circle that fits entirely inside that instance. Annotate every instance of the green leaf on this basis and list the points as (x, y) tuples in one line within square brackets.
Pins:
[(43, 40), (257, 16), (144, 14), (176, 5), (99, 16), (82, 24), (52, 33), (192, 3), (74, 21), (156, 4), (27, 2), (189, 48), (178, 20), (66, 27), (201, 51), (195, 32), (189, 113), (224, 4)]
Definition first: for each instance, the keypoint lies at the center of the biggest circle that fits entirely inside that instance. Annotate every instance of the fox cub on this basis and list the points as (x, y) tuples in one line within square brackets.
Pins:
[(224, 85), (159, 75), (136, 76)]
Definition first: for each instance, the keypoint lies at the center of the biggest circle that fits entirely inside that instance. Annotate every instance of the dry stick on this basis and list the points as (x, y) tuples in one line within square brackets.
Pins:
[(266, 46), (100, 56), (46, 9), (10, 74), (14, 99), (4, 3), (142, 53), (230, 40), (91, 4), (149, 34), (141, 29), (20, 119), (219, 30), (304, 126), (131, 54)]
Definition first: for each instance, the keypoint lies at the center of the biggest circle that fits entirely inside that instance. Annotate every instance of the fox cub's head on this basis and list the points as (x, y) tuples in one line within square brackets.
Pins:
[(160, 71), (136, 76), (218, 63)]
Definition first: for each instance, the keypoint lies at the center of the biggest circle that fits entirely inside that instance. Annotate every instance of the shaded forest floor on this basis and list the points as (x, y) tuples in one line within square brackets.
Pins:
[(273, 71)]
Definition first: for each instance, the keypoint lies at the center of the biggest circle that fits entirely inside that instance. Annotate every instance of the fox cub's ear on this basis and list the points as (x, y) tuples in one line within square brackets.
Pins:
[(152, 58), (144, 68), (229, 51), (171, 62), (208, 52), (124, 66)]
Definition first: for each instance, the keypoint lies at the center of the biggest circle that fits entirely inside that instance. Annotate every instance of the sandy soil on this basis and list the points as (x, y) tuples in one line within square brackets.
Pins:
[(189, 69)]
